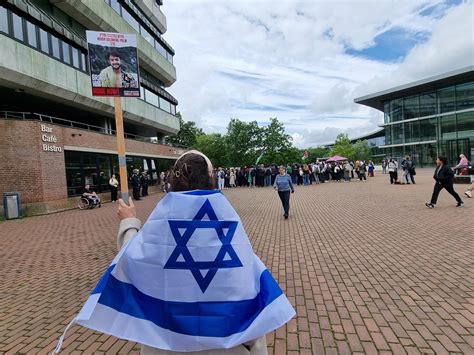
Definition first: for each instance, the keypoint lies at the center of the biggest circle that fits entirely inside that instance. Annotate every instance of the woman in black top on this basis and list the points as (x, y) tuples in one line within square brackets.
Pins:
[(444, 180)]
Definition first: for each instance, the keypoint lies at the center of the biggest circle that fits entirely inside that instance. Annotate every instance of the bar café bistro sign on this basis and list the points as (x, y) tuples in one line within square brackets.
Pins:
[(49, 140)]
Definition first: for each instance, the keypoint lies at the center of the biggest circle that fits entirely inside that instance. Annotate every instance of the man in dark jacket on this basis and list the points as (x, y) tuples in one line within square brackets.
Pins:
[(135, 183), (444, 180)]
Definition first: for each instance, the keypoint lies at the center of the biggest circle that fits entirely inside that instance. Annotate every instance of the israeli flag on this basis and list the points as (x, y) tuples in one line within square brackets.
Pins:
[(188, 281)]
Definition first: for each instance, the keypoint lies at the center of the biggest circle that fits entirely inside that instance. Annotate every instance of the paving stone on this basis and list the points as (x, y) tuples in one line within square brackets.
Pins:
[(367, 266)]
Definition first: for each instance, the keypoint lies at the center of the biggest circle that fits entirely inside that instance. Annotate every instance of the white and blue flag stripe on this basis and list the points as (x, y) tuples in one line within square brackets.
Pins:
[(188, 281)]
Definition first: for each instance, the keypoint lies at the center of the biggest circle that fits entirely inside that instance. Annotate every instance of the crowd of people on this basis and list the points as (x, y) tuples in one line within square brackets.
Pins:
[(300, 174)]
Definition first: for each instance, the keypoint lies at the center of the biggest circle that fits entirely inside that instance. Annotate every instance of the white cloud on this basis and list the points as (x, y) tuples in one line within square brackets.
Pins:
[(255, 59)]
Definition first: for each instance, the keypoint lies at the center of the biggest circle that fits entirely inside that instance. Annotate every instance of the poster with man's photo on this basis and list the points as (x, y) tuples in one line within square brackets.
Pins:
[(113, 64)]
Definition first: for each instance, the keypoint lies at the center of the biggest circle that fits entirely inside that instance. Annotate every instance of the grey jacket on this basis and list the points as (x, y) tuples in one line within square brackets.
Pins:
[(127, 230)]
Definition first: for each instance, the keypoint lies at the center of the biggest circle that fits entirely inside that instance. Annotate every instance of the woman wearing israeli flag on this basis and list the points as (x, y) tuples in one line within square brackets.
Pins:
[(188, 281)]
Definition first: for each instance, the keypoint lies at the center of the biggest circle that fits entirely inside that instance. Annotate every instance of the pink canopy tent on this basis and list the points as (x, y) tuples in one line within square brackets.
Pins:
[(336, 158)]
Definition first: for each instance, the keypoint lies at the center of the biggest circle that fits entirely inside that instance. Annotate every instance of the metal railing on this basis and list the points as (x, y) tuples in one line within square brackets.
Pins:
[(18, 115)]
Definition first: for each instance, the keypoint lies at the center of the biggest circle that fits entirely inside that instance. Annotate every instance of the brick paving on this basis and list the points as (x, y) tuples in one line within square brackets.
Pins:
[(368, 268)]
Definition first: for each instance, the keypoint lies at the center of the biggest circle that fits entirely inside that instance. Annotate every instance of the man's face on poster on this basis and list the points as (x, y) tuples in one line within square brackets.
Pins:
[(114, 62)]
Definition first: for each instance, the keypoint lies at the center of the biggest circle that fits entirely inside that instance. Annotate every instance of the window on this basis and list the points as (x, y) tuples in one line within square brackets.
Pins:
[(412, 132), (428, 104), (448, 127), (130, 20), (116, 6), (397, 110), (160, 49), (465, 96), (386, 111), (83, 62), (173, 109), (428, 129), (17, 27), (169, 56), (56, 46), (165, 105), (397, 131), (44, 40), (31, 31), (147, 36), (3, 19), (428, 154), (411, 107), (142, 92), (75, 58), (465, 125), (151, 98), (446, 99), (66, 53)]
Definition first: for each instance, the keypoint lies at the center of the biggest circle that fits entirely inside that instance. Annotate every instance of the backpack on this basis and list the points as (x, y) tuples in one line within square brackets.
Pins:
[(221, 174)]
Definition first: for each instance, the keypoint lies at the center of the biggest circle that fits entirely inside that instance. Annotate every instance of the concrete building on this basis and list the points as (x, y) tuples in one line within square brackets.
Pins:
[(428, 118), (55, 137)]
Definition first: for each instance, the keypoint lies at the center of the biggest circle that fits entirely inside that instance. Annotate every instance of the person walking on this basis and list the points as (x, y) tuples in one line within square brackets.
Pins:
[(393, 171), (135, 182), (408, 170), (284, 186), (371, 167), (220, 178), (113, 183), (444, 180)]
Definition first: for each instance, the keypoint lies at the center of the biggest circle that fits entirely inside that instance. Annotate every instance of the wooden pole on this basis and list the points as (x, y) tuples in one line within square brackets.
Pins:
[(121, 148)]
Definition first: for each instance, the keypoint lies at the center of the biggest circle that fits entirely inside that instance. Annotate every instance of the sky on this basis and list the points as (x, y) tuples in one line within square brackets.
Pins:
[(304, 62)]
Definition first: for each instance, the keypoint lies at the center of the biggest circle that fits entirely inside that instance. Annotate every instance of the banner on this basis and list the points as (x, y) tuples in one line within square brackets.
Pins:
[(113, 63)]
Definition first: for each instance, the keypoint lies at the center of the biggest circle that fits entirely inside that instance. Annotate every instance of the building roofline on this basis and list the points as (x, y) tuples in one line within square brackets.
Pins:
[(376, 100), (370, 135)]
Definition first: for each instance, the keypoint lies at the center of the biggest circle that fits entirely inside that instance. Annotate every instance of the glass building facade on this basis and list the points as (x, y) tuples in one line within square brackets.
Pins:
[(429, 119)]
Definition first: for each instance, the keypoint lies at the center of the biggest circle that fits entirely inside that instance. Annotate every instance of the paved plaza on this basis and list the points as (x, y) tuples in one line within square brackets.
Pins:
[(368, 268)]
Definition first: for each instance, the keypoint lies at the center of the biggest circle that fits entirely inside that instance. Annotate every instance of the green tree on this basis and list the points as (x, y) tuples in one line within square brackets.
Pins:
[(342, 146), (214, 146), (187, 135), (317, 153), (361, 151), (243, 142), (277, 145)]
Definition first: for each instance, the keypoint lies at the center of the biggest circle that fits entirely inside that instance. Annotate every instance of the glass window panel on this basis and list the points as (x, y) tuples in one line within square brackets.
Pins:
[(388, 135), (142, 93), (147, 36), (83, 62), (75, 57), (169, 56), (17, 27), (428, 104), (90, 170), (66, 53), (448, 127), (397, 131), (3, 19), (130, 20), (397, 110), (428, 154), (411, 107), (115, 5), (173, 109), (31, 30), (446, 99), (386, 111), (56, 46), (160, 49), (428, 129), (151, 98), (412, 132), (465, 125), (44, 40), (165, 105), (465, 96), (73, 173)]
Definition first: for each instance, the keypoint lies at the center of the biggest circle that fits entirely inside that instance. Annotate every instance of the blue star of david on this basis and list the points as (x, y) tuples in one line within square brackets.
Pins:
[(226, 251)]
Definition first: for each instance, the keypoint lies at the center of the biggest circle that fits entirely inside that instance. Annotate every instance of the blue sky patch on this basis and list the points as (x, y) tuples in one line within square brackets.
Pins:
[(391, 46)]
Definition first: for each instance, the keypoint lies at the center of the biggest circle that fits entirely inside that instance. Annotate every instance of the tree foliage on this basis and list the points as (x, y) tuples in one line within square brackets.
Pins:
[(342, 146), (243, 142), (361, 151), (214, 146), (187, 135)]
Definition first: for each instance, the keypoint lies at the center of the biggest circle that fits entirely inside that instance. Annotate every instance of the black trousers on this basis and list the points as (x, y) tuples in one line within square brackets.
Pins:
[(449, 187), (285, 200), (393, 176), (136, 192), (113, 193)]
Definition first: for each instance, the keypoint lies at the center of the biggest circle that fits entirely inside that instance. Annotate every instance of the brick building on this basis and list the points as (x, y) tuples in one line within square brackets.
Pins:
[(55, 137)]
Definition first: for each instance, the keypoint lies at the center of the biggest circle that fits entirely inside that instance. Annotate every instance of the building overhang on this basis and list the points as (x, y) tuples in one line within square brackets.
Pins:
[(377, 99)]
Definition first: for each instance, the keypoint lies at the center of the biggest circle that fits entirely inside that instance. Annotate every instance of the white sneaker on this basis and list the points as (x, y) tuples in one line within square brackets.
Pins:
[(468, 194)]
